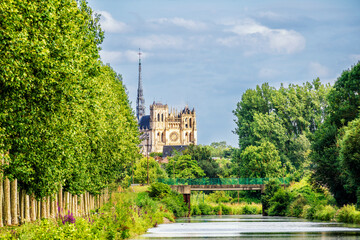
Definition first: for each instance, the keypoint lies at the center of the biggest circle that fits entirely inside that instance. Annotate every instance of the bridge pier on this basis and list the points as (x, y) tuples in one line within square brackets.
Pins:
[(185, 190)]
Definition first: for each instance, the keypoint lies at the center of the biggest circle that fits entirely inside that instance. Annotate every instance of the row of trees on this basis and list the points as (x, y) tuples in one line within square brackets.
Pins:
[(310, 129), (65, 118)]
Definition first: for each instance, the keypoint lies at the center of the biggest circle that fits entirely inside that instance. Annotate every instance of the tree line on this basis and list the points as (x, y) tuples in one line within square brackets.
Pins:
[(303, 130), (65, 118)]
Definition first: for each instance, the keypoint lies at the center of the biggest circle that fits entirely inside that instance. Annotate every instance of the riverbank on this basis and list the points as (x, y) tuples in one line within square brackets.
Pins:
[(128, 214), (304, 200)]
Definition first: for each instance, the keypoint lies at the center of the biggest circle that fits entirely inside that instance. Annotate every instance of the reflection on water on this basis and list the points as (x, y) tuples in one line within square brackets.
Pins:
[(251, 227)]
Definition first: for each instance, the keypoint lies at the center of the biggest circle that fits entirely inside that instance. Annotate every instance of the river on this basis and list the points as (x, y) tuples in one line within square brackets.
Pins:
[(251, 227)]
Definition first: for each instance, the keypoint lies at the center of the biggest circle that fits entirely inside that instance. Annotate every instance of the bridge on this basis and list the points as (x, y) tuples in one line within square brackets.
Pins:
[(185, 186)]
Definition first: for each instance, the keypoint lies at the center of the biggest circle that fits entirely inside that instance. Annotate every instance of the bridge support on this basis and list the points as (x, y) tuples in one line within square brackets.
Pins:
[(185, 190)]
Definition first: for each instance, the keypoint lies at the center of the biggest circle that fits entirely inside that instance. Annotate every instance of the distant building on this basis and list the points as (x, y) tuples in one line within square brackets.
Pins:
[(163, 127)]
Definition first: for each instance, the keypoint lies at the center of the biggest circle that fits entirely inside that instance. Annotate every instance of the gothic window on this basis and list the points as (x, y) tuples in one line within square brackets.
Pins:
[(190, 137), (158, 117), (190, 122), (186, 137), (158, 136), (162, 117), (162, 137)]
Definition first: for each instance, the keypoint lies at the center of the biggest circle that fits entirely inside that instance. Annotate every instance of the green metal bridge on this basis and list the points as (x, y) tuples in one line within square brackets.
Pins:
[(221, 181), (185, 186)]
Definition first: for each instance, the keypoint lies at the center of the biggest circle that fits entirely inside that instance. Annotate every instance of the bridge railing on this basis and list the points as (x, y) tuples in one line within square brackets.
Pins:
[(219, 181)]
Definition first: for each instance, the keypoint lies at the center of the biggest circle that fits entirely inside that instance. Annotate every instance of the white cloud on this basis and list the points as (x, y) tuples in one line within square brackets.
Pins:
[(113, 57), (269, 15), (318, 70), (109, 24), (258, 38), (157, 41), (181, 22)]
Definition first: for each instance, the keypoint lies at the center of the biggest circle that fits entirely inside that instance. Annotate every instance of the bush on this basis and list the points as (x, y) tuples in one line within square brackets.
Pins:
[(325, 213), (297, 206), (347, 214), (279, 203), (217, 210), (195, 210), (175, 202), (205, 209), (159, 190), (250, 209), (225, 210)]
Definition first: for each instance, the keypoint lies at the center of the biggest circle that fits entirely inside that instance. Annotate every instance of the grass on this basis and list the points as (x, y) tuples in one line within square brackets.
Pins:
[(126, 215)]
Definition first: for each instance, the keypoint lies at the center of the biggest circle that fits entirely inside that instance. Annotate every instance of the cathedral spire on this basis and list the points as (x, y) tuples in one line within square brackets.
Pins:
[(140, 101)]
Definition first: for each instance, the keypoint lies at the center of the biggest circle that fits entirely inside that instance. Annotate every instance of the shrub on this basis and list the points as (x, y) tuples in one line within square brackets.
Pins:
[(347, 214), (250, 209), (325, 213), (205, 209), (159, 190), (225, 210), (297, 206), (175, 202), (279, 203), (195, 210), (217, 210)]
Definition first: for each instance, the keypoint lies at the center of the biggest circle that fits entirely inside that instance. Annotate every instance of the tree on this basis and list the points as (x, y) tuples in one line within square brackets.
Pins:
[(155, 171), (344, 103), (260, 162), (281, 116), (350, 155), (203, 157), (65, 116), (183, 166)]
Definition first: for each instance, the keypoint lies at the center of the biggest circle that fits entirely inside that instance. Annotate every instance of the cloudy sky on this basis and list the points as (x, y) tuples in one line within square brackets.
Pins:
[(206, 53)]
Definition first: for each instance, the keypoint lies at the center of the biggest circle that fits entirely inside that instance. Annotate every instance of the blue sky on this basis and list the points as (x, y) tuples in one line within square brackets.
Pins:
[(207, 53)]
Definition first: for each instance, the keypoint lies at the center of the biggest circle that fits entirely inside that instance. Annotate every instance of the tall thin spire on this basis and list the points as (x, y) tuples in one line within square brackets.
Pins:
[(140, 101)]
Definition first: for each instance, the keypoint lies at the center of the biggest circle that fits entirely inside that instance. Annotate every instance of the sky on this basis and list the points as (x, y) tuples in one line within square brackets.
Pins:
[(207, 53)]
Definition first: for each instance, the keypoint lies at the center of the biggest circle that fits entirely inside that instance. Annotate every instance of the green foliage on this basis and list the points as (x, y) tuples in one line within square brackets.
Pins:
[(285, 117), (175, 203), (325, 213), (329, 168), (155, 171), (156, 154), (184, 166), (159, 190), (205, 209), (125, 216), (65, 117), (279, 203), (349, 154), (202, 155), (260, 162), (348, 214)]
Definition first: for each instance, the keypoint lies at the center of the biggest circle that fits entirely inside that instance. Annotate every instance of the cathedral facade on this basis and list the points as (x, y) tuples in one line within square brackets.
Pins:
[(163, 127), (167, 128)]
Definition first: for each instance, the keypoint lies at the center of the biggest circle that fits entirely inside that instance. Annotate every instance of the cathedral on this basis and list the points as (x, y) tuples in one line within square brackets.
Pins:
[(164, 128)]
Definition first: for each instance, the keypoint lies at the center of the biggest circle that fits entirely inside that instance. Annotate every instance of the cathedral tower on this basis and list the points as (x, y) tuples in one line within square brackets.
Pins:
[(140, 101)]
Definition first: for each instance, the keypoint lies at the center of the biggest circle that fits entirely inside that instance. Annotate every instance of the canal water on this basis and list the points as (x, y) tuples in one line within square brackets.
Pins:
[(251, 227)]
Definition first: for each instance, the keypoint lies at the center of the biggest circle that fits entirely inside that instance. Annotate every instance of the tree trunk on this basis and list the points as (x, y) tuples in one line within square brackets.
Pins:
[(22, 206), (1, 200), (14, 202), (33, 208), (43, 208), (38, 209), (7, 205), (27, 208), (60, 203)]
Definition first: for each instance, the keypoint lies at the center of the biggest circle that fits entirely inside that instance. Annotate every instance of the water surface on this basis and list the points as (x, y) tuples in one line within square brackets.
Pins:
[(251, 227)]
